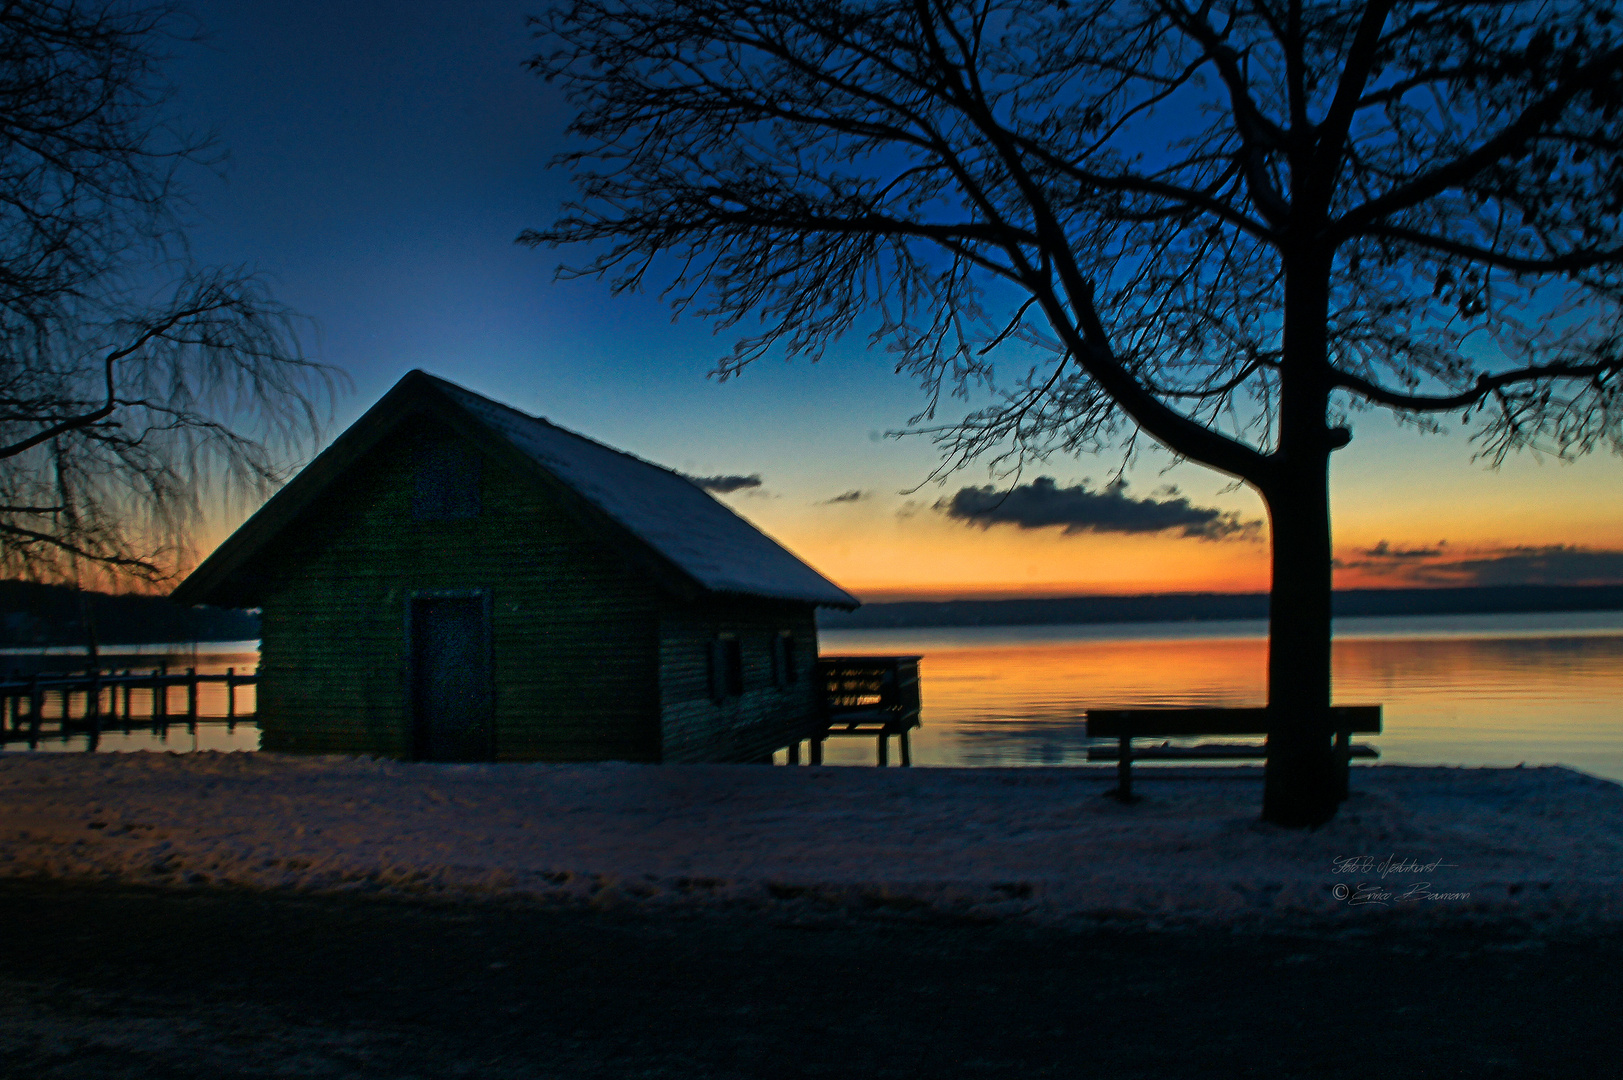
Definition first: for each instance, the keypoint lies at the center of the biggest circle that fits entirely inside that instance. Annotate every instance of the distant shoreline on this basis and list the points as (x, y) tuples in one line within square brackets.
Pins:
[(1207, 607), (35, 616)]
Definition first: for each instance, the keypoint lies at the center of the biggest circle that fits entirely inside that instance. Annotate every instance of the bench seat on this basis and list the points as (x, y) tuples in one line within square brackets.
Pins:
[(1213, 751), (1125, 725)]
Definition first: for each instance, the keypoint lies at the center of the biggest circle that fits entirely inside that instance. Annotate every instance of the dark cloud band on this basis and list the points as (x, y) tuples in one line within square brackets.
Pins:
[(723, 485), (1543, 566), (1384, 550), (1043, 504), (1555, 564)]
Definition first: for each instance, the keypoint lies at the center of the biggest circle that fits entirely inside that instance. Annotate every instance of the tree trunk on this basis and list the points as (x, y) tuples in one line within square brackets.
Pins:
[(1301, 787)]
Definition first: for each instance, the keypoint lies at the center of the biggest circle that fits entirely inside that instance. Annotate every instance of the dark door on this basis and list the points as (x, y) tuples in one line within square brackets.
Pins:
[(450, 679)]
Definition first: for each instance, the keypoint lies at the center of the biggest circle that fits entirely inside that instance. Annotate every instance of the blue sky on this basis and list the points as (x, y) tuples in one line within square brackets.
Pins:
[(380, 166)]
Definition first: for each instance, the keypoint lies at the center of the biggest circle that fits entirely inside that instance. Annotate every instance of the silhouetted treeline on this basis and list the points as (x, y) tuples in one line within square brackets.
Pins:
[(1185, 607), (33, 614)]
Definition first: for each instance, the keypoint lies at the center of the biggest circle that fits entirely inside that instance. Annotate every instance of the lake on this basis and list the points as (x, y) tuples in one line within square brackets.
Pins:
[(1457, 690)]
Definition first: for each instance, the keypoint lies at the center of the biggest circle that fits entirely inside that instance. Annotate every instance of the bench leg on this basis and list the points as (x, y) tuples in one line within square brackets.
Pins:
[(1343, 764), (1124, 769)]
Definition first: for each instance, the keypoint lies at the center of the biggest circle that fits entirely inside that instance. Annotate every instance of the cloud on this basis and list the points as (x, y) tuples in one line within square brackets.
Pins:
[(1386, 559), (1552, 564), (1044, 504), (847, 497), (726, 485), (1383, 550)]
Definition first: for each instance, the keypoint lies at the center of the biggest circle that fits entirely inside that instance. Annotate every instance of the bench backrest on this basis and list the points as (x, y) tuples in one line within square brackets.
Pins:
[(1173, 723)]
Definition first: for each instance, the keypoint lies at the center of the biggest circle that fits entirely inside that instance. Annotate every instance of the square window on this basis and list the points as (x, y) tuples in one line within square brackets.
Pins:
[(445, 483), (785, 672), (726, 667)]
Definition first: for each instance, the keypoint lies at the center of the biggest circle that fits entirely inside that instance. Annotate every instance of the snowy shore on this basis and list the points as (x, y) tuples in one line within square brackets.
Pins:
[(1519, 846)]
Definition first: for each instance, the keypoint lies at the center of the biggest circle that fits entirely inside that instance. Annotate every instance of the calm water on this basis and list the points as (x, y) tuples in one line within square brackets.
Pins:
[(1459, 690)]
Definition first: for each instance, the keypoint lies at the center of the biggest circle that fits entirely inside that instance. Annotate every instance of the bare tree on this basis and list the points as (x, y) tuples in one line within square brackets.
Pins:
[(130, 380), (1222, 224)]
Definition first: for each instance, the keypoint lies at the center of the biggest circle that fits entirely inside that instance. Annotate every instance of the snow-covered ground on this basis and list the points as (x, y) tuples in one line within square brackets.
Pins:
[(1541, 846)]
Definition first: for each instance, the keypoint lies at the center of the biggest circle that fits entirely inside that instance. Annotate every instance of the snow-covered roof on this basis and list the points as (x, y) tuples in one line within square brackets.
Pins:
[(685, 528), (664, 509)]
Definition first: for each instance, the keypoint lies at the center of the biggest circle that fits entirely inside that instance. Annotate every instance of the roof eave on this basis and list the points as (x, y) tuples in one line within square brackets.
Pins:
[(850, 603), (225, 579)]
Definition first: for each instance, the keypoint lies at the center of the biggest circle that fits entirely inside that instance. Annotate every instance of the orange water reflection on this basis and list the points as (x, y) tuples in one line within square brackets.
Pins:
[(1481, 691), (1503, 691)]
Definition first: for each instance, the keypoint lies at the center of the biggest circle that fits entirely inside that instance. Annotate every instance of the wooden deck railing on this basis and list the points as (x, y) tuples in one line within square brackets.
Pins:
[(872, 696)]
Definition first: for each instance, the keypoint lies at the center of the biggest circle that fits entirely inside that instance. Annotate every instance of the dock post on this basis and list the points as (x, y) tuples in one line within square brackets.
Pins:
[(36, 698), (816, 751), (93, 707), (1124, 769), (884, 748), (907, 751), (191, 700), (231, 693), (160, 696), (794, 753)]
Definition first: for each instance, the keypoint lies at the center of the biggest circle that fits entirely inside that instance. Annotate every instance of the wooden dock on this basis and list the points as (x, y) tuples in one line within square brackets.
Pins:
[(873, 697), (64, 704)]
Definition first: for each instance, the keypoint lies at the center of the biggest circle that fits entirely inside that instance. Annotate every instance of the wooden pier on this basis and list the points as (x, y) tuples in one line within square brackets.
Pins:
[(872, 697), (93, 702)]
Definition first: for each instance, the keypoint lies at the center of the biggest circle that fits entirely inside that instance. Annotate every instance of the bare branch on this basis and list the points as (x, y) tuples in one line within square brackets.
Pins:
[(1485, 387), (121, 406)]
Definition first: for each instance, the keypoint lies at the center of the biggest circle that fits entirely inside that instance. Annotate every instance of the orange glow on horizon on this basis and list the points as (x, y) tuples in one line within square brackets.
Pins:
[(882, 551)]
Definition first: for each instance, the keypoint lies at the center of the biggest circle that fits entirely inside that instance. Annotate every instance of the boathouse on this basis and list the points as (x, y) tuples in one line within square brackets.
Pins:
[(457, 580)]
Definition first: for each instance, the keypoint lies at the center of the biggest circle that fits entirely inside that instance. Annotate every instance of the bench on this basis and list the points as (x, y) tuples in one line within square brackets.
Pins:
[(1125, 725)]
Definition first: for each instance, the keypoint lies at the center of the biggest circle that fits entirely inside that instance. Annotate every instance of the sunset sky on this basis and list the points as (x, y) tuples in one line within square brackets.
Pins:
[(380, 168)]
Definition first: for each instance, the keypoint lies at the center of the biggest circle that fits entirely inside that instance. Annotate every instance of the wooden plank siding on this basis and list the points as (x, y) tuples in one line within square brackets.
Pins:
[(768, 715), (575, 632)]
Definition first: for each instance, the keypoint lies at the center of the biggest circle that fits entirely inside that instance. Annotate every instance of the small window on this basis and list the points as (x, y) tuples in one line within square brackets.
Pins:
[(726, 667), (445, 483), (784, 670)]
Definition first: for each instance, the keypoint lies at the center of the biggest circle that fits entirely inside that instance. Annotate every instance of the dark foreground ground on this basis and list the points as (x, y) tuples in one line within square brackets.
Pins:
[(112, 983)]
